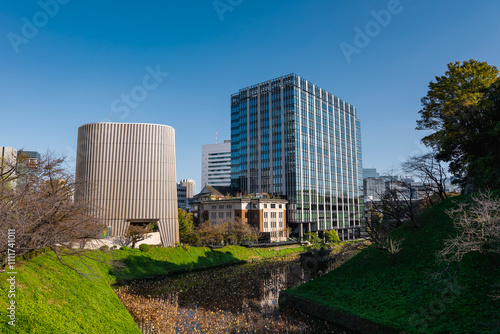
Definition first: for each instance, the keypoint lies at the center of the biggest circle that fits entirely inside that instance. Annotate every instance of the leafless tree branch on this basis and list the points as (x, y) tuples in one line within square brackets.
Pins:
[(37, 201), (478, 227)]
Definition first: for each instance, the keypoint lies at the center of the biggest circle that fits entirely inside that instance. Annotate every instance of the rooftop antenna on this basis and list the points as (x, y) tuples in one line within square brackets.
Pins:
[(216, 136)]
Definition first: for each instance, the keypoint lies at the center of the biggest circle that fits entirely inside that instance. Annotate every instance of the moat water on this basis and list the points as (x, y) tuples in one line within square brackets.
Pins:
[(236, 299)]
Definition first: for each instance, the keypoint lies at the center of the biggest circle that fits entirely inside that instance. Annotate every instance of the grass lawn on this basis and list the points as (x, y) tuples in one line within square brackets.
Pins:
[(52, 298), (406, 297)]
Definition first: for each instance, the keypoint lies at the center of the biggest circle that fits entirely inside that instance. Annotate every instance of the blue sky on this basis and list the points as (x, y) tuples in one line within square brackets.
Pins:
[(77, 62)]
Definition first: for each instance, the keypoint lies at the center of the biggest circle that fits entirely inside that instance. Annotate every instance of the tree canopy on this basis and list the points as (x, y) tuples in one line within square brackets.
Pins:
[(37, 204), (186, 226), (462, 108)]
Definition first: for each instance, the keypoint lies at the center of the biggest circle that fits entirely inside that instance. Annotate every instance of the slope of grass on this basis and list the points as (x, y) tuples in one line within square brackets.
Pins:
[(52, 298), (406, 297)]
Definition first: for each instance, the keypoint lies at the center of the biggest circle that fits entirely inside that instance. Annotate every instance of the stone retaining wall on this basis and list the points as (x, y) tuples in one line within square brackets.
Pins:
[(341, 318)]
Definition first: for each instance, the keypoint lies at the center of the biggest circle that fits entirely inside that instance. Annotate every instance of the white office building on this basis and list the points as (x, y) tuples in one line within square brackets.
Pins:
[(216, 164), (7, 162), (190, 187), (7, 155)]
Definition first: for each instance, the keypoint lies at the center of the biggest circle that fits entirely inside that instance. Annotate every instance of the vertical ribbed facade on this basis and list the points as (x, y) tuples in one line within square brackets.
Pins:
[(129, 171)]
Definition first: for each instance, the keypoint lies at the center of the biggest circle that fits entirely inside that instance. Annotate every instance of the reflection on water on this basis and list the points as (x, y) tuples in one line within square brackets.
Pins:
[(238, 299)]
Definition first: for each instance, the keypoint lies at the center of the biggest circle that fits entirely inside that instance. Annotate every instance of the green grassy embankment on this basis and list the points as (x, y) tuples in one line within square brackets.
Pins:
[(406, 297), (52, 298)]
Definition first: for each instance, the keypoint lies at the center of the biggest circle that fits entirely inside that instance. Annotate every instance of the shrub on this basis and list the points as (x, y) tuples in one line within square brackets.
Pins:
[(124, 248), (144, 247), (186, 247), (313, 239), (104, 248), (332, 236)]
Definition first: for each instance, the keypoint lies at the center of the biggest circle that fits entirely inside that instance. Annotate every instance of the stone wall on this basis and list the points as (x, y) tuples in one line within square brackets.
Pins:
[(338, 317)]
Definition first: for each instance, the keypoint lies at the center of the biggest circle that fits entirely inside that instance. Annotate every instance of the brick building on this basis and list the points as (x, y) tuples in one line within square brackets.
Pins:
[(266, 214)]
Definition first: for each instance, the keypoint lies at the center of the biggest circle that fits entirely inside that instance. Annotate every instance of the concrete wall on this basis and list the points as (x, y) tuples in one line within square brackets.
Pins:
[(153, 239)]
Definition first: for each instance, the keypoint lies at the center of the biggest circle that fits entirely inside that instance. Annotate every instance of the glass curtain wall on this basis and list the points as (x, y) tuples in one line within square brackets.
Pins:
[(292, 138)]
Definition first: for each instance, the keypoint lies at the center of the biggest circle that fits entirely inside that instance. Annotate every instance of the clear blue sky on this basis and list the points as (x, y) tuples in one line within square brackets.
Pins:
[(75, 67)]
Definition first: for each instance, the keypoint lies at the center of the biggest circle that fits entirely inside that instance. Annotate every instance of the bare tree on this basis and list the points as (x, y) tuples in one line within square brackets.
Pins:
[(397, 204), (138, 233), (8, 169), (237, 231), (227, 232), (478, 226), (430, 172), (40, 210), (402, 200), (209, 233), (381, 237)]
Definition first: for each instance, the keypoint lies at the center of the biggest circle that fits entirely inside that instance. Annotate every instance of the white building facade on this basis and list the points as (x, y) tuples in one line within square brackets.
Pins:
[(8, 156), (128, 170), (216, 164), (190, 187)]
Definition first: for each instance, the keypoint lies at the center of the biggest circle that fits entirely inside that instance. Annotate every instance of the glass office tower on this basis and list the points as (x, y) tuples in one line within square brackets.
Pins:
[(292, 138)]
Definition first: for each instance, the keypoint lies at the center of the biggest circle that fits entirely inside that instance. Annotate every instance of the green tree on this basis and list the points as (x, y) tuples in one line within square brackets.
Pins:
[(462, 109), (186, 227), (332, 236), (313, 238)]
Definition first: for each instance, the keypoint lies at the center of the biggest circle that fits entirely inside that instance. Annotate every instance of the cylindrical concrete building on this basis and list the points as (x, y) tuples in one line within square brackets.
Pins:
[(128, 169)]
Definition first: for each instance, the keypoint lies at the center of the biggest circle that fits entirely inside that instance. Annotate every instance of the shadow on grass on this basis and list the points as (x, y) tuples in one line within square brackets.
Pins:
[(136, 267)]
